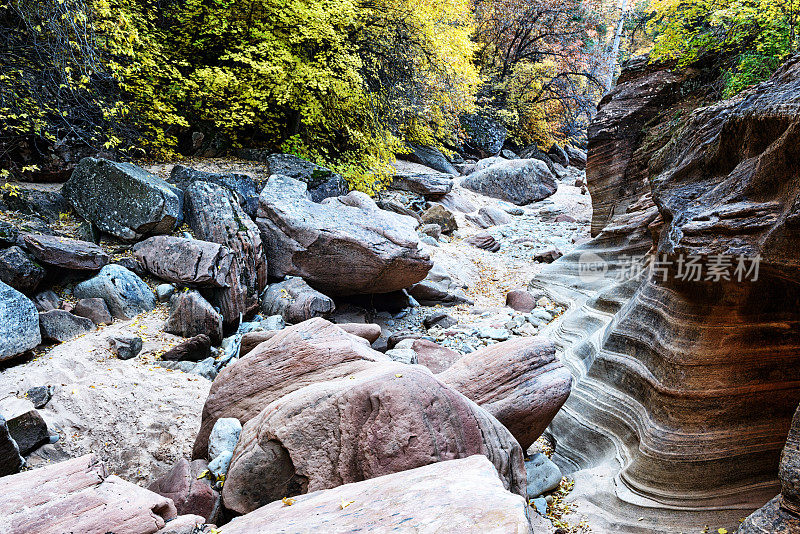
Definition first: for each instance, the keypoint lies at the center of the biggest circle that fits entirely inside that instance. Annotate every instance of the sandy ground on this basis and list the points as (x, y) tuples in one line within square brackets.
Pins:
[(138, 417)]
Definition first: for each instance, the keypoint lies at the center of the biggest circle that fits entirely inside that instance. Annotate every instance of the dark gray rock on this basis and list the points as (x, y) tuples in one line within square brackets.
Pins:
[(190, 314), (123, 199), (8, 234), (440, 319), (19, 270), (520, 181), (19, 327), (61, 325), (164, 292), (296, 301), (66, 253), (29, 431), (94, 309), (214, 215), (48, 205), (558, 155), (10, 460), (194, 349), (322, 182), (548, 255), (185, 261), (47, 300), (577, 157), (427, 185), (508, 154), (125, 294), (543, 475), (39, 395), (433, 158), (243, 185), (486, 135), (126, 347), (132, 264), (88, 231)]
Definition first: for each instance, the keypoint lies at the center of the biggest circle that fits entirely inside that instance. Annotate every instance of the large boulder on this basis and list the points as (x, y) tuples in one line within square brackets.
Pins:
[(387, 418), (368, 332), (312, 351), (66, 253), (345, 245), (19, 270), (214, 215), (191, 493), (244, 186), (79, 495), (486, 136), (19, 329), (185, 261), (521, 382), (123, 199), (125, 294), (520, 181), (417, 500), (295, 301), (433, 158), (428, 185), (321, 181), (190, 315)]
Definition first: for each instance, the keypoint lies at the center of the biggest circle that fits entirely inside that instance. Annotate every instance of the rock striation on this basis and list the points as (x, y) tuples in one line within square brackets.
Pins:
[(690, 383), (413, 500)]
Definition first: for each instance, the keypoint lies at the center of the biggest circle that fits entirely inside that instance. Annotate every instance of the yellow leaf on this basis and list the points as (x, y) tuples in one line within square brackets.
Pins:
[(722, 531), (398, 375), (287, 501), (345, 504)]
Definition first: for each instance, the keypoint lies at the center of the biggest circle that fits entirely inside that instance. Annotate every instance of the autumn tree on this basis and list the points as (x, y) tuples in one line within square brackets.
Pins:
[(543, 62)]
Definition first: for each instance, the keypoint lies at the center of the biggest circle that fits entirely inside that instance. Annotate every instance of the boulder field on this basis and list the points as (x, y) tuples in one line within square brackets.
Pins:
[(470, 350)]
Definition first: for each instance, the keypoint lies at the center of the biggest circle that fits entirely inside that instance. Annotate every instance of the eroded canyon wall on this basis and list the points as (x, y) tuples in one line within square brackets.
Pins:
[(688, 386)]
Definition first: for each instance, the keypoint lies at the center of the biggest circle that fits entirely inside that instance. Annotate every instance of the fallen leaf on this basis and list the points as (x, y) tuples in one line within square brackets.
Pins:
[(287, 501), (345, 504)]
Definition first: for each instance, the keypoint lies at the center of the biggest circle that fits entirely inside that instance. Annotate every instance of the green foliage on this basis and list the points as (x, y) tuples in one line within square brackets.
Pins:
[(759, 34)]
